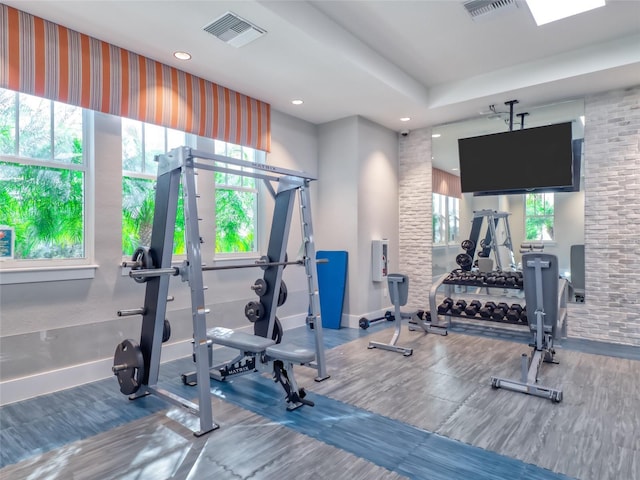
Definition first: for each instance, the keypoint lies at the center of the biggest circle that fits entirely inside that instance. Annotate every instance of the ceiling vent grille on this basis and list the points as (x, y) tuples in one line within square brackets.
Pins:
[(235, 31), (482, 9)]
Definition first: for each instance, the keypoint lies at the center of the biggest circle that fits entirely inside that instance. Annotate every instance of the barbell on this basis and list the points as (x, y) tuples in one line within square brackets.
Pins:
[(141, 275)]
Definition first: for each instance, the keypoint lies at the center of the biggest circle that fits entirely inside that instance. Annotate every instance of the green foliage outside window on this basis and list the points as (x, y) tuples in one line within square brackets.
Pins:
[(236, 202), (539, 216), (44, 204), (138, 204), (140, 143), (234, 221)]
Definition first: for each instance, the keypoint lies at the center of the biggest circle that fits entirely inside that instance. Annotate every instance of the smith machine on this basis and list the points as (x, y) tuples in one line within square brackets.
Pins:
[(137, 365)]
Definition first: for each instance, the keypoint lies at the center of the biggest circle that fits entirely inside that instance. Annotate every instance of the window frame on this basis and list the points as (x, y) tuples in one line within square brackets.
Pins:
[(53, 269), (205, 180), (258, 156)]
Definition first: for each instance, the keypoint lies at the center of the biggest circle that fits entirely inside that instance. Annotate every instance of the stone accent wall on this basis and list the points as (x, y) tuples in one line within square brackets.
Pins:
[(611, 312), (612, 218), (414, 159)]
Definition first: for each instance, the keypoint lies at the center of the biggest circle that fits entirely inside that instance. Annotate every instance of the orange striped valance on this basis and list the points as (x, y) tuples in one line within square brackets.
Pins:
[(445, 183), (41, 58)]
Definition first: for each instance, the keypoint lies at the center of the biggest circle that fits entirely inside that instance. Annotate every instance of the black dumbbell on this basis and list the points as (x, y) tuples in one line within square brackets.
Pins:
[(491, 279), (459, 307), (523, 316), (510, 281), (473, 308), (513, 314), (501, 280), (500, 311), (445, 306), (487, 310)]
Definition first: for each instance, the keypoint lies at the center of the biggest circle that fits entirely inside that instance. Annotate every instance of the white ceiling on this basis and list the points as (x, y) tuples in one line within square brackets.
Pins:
[(383, 60)]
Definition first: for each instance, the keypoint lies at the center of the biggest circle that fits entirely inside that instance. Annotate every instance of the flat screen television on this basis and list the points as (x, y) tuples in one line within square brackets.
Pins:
[(528, 160)]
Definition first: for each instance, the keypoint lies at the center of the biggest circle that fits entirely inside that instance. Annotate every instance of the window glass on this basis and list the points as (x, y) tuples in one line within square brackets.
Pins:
[(7, 122), (236, 199), (131, 145), (42, 199), (539, 216), (446, 219), (34, 127), (67, 144), (453, 213), (141, 142)]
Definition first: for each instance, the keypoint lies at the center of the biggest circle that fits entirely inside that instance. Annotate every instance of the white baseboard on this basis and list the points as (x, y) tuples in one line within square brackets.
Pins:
[(23, 388)]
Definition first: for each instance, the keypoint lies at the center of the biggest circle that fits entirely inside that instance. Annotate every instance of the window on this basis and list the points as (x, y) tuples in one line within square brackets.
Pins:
[(45, 180), (539, 216), (446, 219), (236, 202), (141, 142)]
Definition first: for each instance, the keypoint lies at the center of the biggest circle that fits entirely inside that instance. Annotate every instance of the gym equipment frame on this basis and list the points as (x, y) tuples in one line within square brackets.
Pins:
[(544, 289), (489, 243), (399, 292), (137, 366)]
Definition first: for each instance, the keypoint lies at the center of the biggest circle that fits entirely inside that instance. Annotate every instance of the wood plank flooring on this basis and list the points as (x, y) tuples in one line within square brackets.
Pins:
[(594, 434)]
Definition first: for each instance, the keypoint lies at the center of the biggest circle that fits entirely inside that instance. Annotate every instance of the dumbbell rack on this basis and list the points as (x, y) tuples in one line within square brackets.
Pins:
[(449, 285)]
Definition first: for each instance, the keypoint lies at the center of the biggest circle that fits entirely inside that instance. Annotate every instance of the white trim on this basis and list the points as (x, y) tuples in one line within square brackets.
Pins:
[(18, 389), (47, 274)]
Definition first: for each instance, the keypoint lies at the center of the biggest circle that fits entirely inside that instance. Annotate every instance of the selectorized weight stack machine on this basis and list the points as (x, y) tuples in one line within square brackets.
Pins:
[(137, 366)]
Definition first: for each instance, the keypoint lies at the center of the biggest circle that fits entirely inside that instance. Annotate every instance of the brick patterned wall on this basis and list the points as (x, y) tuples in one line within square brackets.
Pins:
[(415, 214), (612, 220)]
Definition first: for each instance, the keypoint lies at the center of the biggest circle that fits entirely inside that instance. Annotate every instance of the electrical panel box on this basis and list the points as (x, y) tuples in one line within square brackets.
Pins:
[(379, 259)]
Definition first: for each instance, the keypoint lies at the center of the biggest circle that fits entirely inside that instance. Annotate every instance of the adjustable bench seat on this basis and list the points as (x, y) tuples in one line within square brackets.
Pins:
[(239, 340), (290, 353)]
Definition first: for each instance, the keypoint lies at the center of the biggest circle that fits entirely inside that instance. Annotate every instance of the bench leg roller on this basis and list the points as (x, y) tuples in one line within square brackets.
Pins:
[(283, 374)]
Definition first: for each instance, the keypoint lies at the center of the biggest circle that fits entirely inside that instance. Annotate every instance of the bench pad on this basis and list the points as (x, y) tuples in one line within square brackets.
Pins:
[(238, 340), (290, 353)]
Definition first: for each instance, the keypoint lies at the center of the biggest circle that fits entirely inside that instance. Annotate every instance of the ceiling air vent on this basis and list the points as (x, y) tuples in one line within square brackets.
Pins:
[(482, 9), (234, 30)]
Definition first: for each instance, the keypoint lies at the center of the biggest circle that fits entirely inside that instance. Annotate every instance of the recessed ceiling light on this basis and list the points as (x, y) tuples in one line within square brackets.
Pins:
[(297, 102), (544, 11), (436, 135), (454, 169), (405, 119), (182, 55)]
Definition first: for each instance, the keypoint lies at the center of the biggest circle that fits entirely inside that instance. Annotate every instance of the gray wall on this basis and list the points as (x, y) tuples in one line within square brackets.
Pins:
[(612, 213), (358, 204)]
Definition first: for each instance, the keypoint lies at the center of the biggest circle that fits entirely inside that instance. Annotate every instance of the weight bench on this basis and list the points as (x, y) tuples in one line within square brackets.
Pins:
[(541, 289), (262, 354)]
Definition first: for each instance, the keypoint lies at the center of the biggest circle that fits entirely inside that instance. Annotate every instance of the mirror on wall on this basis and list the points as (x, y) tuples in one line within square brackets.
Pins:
[(554, 219)]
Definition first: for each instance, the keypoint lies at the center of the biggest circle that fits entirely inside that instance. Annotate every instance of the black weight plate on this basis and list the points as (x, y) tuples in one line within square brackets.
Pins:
[(468, 245), (260, 287), (282, 297), (129, 356), (277, 331), (464, 259), (254, 311), (166, 331), (142, 256)]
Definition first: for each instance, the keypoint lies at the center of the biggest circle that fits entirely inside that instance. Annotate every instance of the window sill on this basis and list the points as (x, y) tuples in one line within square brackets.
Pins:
[(47, 274)]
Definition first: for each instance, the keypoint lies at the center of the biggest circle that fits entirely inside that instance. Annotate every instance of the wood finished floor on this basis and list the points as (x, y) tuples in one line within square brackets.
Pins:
[(444, 387), (594, 434)]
